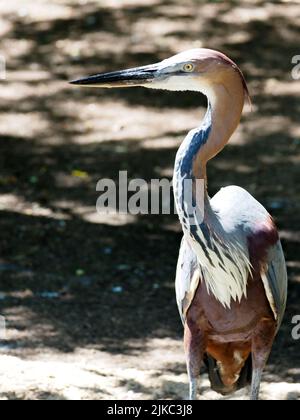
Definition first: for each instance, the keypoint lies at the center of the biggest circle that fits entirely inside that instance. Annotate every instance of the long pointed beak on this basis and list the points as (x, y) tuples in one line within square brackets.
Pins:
[(138, 76)]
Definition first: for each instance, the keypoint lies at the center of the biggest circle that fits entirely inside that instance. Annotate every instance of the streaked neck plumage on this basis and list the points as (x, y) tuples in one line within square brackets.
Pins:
[(221, 254), (225, 105)]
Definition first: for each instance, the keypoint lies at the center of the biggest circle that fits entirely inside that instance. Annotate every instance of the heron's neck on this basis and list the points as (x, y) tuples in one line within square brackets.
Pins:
[(222, 254), (225, 105)]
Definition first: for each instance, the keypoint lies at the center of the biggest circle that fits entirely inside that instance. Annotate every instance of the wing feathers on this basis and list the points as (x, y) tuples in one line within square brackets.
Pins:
[(275, 281)]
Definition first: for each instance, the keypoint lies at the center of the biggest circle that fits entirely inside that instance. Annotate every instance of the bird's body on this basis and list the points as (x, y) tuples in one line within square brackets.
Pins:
[(256, 237), (231, 281), (231, 278), (227, 333)]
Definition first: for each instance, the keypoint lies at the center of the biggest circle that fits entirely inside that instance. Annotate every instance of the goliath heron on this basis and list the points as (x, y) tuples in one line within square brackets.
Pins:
[(231, 281)]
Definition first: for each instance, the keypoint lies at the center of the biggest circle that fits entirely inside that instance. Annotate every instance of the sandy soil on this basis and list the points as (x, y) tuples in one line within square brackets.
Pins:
[(89, 299)]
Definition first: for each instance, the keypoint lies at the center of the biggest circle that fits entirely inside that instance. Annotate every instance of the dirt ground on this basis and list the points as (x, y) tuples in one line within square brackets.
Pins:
[(89, 299)]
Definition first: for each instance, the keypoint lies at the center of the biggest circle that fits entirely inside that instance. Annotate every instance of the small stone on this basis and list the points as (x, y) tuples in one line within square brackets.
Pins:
[(123, 267), (49, 295), (276, 205), (33, 179), (85, 281), (117, 289), (107, 250), (80, 272)]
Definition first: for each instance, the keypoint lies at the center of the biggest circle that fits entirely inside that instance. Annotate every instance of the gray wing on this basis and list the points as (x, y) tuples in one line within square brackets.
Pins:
[(275, 281), (187, 278)]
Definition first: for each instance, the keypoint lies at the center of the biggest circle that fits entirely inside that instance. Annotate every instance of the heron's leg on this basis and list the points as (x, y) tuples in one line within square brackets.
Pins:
[(194, 350), (262, 341)]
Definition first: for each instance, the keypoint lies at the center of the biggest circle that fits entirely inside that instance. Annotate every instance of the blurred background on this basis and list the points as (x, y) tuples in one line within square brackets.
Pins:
[(89, 299)]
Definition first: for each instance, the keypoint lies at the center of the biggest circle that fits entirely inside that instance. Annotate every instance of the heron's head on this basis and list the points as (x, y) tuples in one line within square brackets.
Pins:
[(197, 70)]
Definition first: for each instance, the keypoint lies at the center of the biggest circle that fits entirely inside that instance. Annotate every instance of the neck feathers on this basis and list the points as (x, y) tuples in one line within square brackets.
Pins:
[(225, 105), (220, 254), (226, 100)]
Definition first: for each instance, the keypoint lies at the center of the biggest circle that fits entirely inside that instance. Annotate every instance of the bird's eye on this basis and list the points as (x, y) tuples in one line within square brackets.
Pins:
[(188, 67)]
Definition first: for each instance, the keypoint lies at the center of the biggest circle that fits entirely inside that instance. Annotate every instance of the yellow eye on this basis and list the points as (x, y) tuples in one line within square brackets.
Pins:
[(188, 67)]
